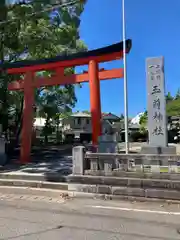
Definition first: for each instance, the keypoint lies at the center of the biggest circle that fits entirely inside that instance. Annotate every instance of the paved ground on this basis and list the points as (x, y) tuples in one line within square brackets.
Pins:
[(24, 218), (44, 160)]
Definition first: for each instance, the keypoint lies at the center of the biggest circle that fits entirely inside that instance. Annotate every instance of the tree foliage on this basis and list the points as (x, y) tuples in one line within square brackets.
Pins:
[(26, 35), (121, 116), (172, 108), (143, 121)]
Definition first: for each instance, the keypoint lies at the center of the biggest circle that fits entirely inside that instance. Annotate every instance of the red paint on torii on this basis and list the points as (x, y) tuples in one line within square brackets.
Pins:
[(58, 65), (60, 79)]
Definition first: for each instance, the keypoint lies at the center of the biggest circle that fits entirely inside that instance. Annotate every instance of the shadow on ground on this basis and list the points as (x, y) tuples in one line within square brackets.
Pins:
[(48, 161), (51, 163)]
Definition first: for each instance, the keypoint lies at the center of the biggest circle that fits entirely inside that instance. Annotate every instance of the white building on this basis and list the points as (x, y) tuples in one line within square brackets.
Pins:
[(136, 119), (78, 125)]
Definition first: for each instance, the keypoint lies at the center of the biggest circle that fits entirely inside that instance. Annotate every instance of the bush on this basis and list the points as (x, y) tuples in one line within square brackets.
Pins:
[(139, 136)]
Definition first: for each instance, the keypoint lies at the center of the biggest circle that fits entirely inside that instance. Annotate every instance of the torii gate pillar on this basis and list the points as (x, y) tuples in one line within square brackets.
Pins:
[(95, 101), (26, 135)]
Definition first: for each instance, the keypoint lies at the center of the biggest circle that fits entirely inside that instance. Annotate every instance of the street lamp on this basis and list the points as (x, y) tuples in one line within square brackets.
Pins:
[(125, 80)]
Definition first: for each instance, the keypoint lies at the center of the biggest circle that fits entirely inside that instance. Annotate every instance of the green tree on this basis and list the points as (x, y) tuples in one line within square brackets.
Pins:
[(173, 105), (177, 96), (172, 108), (121, 116), (143, 121), (86, 111), (35, 36), (169, 97), (54, 102)]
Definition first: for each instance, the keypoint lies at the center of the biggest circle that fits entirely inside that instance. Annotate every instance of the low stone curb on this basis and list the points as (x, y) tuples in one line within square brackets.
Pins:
[(134, 182), (143, 183), (70, 194), (56, 177), (95, 191)]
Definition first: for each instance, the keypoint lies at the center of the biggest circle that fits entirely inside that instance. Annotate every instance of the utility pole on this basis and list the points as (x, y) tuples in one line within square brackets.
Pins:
[(125, 80)]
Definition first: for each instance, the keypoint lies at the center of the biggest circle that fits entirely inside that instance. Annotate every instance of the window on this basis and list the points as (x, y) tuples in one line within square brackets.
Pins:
[(78, 121)]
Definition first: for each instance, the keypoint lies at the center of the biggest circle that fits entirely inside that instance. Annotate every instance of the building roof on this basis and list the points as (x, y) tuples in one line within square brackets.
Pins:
[(110, 116), (134, 126), (81, 114)]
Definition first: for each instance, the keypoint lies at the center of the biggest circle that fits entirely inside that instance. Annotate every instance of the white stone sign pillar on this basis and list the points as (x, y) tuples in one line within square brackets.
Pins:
[(156, 107), (157, 125)]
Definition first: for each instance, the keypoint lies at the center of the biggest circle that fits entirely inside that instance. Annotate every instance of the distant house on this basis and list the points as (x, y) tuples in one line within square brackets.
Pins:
[(173, 122), (132, 127), (39, 122), (78, 125)]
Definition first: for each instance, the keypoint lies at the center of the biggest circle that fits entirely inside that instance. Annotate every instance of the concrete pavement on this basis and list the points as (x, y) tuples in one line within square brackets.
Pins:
[(21, 218)]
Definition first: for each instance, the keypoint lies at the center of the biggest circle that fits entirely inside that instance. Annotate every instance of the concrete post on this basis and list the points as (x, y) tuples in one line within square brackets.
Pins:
[(78, 157)]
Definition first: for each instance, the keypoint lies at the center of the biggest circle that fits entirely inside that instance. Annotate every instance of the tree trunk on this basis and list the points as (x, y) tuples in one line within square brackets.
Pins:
[(57, 132), (46, 131), (46, 139), (19, 122), (14, 142)]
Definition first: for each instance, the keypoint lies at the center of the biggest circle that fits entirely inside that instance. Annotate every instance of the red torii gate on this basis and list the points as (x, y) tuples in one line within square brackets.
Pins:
[(58, 64)]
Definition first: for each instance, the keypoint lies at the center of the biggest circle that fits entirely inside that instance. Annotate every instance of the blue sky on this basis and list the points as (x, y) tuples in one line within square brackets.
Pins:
[(153, 27)]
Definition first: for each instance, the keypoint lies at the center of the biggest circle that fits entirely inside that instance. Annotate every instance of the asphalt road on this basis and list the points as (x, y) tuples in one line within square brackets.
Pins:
[(32, 217)]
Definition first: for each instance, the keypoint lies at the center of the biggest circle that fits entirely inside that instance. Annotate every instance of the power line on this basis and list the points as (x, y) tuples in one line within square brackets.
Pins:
[(48, 9)]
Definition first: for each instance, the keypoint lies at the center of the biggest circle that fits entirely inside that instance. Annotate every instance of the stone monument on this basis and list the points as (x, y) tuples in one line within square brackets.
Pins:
[(156, 107), (107, 142)]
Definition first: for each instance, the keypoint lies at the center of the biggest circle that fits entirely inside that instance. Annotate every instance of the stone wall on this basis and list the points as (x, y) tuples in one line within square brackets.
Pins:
[(112, 164)]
